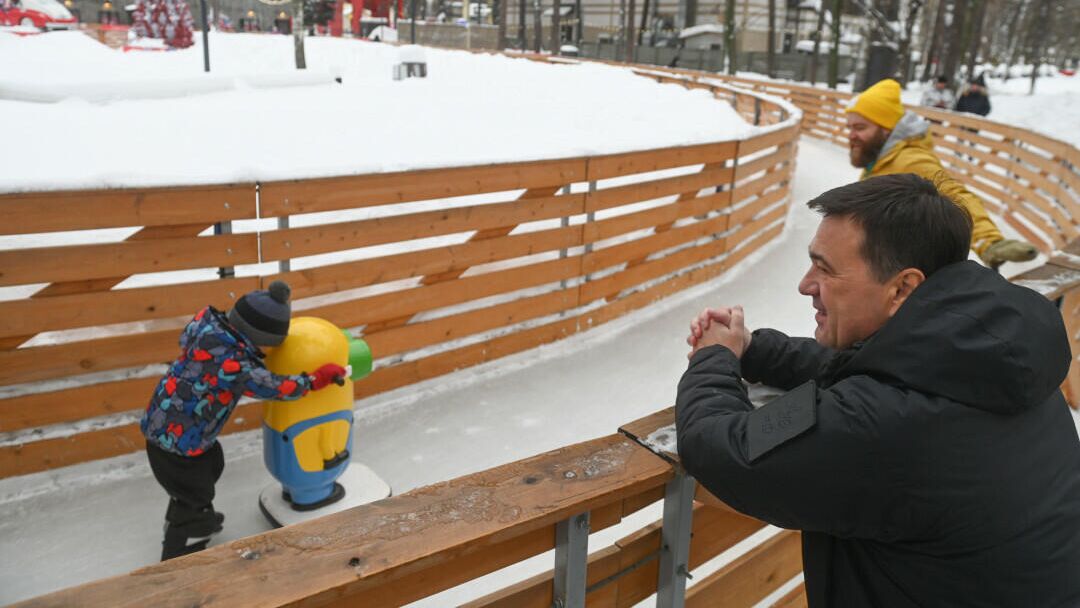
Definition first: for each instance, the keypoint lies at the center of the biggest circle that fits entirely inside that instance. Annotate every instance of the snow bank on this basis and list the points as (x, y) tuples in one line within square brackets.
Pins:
[(471, 109)]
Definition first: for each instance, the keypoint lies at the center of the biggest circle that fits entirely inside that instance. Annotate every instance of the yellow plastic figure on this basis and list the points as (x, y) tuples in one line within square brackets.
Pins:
[(306, 443)]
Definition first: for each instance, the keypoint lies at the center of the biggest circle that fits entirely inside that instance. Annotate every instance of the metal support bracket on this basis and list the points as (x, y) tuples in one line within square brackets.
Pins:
[(220, 228), (675, 542), (571, 557)]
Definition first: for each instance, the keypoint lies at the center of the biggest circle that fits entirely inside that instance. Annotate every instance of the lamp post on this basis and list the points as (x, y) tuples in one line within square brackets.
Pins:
[(205, 36)]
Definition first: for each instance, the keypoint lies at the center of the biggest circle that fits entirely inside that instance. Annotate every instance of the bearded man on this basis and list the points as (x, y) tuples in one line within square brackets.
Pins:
[(885, 139)]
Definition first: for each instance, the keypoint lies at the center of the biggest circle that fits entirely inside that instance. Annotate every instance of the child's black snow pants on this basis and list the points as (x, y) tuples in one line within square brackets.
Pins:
[(189, 481)]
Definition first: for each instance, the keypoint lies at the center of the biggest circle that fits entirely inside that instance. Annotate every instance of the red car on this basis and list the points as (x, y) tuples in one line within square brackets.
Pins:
[(42, 14)]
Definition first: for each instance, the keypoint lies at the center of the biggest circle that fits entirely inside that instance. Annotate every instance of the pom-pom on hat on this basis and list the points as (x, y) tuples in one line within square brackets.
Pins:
[(263, 315), (880, 104)]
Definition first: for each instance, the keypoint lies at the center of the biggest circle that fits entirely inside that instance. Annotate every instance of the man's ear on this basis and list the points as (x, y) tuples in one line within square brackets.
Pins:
[(902, 286)]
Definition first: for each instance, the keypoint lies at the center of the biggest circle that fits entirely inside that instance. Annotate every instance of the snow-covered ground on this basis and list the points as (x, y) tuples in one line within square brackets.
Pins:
[(82, 523), (154, 118)]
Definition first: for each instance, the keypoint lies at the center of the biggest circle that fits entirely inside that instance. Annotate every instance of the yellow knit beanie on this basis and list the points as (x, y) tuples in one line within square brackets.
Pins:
[(880, 104)]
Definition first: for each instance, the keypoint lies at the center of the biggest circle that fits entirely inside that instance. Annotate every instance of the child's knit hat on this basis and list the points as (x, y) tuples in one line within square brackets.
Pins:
[(263, 315)]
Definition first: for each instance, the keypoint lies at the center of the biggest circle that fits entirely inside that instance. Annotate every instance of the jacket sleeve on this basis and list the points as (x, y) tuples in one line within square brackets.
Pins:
[(984, 231), (777, 360), (826, 479), (261, 383)]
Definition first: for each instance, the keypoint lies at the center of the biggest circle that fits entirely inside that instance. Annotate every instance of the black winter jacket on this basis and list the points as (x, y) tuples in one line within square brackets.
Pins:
[(934, 464), (973, 103)]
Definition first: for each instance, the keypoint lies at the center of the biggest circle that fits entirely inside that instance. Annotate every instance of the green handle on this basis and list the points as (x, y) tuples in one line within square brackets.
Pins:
[(359, 357)]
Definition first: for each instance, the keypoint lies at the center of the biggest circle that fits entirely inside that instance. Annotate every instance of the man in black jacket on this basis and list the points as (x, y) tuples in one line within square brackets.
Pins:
[(924, 447)]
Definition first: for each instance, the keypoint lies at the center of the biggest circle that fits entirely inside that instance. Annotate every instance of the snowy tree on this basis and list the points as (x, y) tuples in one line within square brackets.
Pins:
[(169, 20)]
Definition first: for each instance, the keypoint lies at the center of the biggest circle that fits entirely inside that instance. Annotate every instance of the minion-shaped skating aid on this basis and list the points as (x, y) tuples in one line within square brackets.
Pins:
[(307, 443)]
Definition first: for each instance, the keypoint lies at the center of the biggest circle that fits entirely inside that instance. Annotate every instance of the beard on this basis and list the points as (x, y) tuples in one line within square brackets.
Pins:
[(863, 154)]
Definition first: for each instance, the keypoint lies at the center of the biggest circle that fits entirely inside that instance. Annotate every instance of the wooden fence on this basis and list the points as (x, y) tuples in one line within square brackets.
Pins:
[(414, 545), (575, 243), (438, 269)]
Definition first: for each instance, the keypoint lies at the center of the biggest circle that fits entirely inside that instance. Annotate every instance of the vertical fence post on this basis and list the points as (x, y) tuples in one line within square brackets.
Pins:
[(590, 216), (220, 228), (571, 557), (283, 224), (564, 222), (675, 542)]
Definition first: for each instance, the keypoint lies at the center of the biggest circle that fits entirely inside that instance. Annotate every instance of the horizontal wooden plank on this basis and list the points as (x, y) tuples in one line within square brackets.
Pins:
[(487, 559), (764, 201), (655, 216), (649, 270), (772, 138), (331, 194), (80, 262), (343, 276), (758, 185), (27, 213), (396, 304), (68, 405), (778, 156), (35, 456), (713, 531), (432, 366), (708, 177), (606, 257), (796, 598), (751, 577), (87, 356), (342, 236), (428, 333), (629, 163), (360, 551), (30, 316)]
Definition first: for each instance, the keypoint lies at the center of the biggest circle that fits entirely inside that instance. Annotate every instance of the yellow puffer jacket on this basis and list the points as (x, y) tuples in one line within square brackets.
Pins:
[(910, 149)]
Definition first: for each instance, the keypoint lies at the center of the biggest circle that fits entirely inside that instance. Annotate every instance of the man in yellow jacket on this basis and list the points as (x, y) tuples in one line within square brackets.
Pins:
[(883, 139)]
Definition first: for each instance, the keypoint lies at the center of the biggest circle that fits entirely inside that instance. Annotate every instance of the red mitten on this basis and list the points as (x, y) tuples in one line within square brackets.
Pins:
[(331, 372)]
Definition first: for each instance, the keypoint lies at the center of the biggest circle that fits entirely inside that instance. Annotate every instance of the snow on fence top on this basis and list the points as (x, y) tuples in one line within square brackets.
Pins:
[(121, 120)]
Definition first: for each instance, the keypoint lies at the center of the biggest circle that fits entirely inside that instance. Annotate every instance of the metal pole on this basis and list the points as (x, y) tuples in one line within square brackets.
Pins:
[(205, 37), (675, 542), (412, 21), (571, 559)]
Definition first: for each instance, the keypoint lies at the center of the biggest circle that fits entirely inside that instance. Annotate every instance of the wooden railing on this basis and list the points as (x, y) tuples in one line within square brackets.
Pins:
[(438, 269), (564, 245), (415, 545)]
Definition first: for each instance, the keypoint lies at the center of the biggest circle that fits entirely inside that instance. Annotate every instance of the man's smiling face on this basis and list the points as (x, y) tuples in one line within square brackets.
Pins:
[(850, 302)]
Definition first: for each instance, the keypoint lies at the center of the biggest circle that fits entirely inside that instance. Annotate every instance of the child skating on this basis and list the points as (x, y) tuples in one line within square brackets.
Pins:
[(220, 362)]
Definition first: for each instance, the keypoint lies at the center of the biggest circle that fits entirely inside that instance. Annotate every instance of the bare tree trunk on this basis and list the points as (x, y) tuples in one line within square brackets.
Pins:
[(631, 37), (1039, 34), (538, 27), (556, 26), (976, 37), (644, 23), (934, 50), (502, 5), (817, 42), (905, 42), (523, 27), (770, 56), (956, 34), (834, 52), (729, 35), (298, 34)]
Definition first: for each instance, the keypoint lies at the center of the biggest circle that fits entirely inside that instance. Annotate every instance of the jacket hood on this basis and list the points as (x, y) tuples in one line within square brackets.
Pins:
[(969, 335), (911, 125)]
